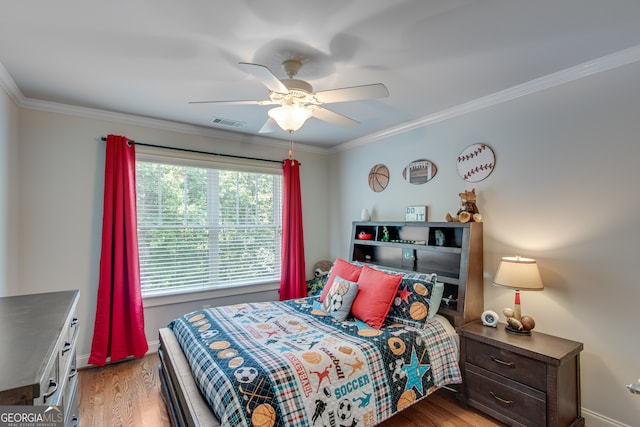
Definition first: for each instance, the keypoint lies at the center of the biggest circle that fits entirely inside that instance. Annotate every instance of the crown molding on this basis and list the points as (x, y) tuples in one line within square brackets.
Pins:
[(9, 86), (220, 134), (589, 68)]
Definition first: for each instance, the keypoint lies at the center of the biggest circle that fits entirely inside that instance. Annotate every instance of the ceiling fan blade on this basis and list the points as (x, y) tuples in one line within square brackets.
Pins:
[(377, 90), (333, 117), (265, 76), (269, 126), (239, 102)]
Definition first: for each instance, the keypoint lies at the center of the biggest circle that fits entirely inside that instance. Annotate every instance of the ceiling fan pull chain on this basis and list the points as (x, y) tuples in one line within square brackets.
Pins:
[(290, 145)]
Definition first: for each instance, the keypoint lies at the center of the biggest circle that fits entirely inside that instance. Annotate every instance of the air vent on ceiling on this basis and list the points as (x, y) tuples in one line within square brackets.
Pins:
[(219, 121)]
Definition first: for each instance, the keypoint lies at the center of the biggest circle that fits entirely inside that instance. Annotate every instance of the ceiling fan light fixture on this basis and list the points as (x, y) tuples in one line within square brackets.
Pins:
[(290, 117)]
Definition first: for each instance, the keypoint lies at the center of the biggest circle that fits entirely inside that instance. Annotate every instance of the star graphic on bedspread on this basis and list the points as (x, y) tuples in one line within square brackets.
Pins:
[(415, 371), (404, 294)]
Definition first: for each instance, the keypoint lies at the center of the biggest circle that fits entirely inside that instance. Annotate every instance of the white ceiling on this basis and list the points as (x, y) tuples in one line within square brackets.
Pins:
[(149, 58)]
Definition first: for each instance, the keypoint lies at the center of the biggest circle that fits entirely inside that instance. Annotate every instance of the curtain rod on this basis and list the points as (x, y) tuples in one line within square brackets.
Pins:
[(200, 152)]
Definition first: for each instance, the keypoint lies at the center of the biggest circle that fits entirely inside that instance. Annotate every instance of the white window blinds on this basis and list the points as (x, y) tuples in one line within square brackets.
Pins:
[(206, 227)]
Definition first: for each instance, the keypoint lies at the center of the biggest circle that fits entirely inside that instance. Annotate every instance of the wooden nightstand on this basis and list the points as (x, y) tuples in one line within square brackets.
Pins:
[(521, 380)]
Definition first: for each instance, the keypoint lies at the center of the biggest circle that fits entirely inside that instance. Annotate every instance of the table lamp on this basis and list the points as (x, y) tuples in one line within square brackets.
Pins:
[(520, 274)]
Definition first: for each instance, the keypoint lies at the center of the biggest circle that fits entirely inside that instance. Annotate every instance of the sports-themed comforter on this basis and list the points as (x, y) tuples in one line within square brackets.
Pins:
[(290, 364)]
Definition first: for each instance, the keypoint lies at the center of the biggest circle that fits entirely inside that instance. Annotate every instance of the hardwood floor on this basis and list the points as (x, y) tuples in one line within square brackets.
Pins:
[(128, 394), (122, 394)]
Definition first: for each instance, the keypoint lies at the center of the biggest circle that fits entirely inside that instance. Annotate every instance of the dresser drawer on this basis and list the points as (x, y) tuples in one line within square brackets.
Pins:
[(71, 413), (50, 385), (518, 368), (523, 405)]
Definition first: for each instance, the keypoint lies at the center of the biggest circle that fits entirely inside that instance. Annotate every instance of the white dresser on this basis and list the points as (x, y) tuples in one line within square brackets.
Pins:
[(39, 333)]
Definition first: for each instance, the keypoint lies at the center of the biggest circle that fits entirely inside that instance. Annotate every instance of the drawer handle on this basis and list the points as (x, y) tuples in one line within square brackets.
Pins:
[(74, 322), (66, 347), (502, 362), (53, 384), (501, 400), (73, 373)]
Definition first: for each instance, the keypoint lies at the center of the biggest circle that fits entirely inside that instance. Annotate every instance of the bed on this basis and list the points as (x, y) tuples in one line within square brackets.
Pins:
[(295, 363)]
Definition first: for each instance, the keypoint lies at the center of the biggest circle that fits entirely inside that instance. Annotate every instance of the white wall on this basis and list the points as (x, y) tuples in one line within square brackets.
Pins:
[(564, 191), (8, 196), (61, 179)]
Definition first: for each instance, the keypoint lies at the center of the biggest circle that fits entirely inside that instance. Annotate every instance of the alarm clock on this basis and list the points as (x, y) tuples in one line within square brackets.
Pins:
[(490, 318)]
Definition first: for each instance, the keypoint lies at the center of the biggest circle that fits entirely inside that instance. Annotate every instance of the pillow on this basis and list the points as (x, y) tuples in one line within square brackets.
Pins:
[(417, 300), (338, 300), (376, 291), (343, 269)]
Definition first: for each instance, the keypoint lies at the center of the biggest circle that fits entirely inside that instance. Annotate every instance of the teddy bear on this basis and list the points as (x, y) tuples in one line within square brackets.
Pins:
[(468, 209)]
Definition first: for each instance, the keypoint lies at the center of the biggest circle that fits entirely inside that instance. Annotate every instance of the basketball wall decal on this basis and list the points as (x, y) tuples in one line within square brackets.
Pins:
[(378, 177), (476, 162)]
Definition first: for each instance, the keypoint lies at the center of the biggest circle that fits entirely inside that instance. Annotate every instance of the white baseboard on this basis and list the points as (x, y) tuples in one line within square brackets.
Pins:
[(593, 419), (82, 361)]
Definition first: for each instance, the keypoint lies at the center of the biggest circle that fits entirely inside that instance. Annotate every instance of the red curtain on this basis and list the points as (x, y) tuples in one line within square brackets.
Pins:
[(119, 326), (293, 277)]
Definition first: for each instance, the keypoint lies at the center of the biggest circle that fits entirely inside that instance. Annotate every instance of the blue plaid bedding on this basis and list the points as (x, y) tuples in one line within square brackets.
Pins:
[(290, 364)]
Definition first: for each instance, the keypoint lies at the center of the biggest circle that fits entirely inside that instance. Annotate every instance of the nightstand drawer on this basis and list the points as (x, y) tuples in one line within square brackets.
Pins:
[(518, 368), (499, 395)]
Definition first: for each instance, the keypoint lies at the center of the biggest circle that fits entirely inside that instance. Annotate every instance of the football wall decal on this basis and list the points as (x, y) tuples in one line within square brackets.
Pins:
[(419, 171)]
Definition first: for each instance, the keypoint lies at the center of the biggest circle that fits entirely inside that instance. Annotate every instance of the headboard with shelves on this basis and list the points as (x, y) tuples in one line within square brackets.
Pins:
[(453, 250)]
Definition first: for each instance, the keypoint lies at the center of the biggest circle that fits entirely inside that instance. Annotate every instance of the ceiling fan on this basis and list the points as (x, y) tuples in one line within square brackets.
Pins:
[(297, 101)]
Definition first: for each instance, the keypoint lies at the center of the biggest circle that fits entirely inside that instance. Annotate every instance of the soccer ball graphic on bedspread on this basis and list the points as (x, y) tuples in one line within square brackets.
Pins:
[(344, 409), (246, 374)]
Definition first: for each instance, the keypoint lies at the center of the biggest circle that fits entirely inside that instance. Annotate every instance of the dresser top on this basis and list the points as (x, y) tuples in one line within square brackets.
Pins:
[(31, 327)]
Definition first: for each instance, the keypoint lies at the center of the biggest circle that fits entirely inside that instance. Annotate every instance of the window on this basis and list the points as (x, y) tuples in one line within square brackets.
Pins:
[(203, 227)]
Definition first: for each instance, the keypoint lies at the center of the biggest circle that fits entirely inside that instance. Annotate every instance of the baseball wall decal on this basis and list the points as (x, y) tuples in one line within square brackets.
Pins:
[(476, 162)]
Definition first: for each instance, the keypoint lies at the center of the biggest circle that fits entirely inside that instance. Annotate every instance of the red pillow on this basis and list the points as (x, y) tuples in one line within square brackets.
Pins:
[(344, 269), (376, 292)]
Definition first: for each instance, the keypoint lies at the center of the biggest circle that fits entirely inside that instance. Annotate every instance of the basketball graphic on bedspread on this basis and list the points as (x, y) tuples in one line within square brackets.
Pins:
[(406, 399), (263, 416), (418, 311)]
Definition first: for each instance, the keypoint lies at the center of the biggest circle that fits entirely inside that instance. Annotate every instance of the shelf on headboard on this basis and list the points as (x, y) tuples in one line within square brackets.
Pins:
[(453, 250)]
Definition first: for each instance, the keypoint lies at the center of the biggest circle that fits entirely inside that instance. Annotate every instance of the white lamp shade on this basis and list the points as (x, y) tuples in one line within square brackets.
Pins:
[(518, 273), (290, 117)]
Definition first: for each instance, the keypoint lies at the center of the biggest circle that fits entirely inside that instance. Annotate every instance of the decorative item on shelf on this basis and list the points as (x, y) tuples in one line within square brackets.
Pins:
[(439, 237), (363, 235), (416, 213), (378, 177), (449, 301), (520, 274), (419, 171), (475, 162), (364, 215), (410, 242), (490, 318), (385, 234), (468, 211)]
